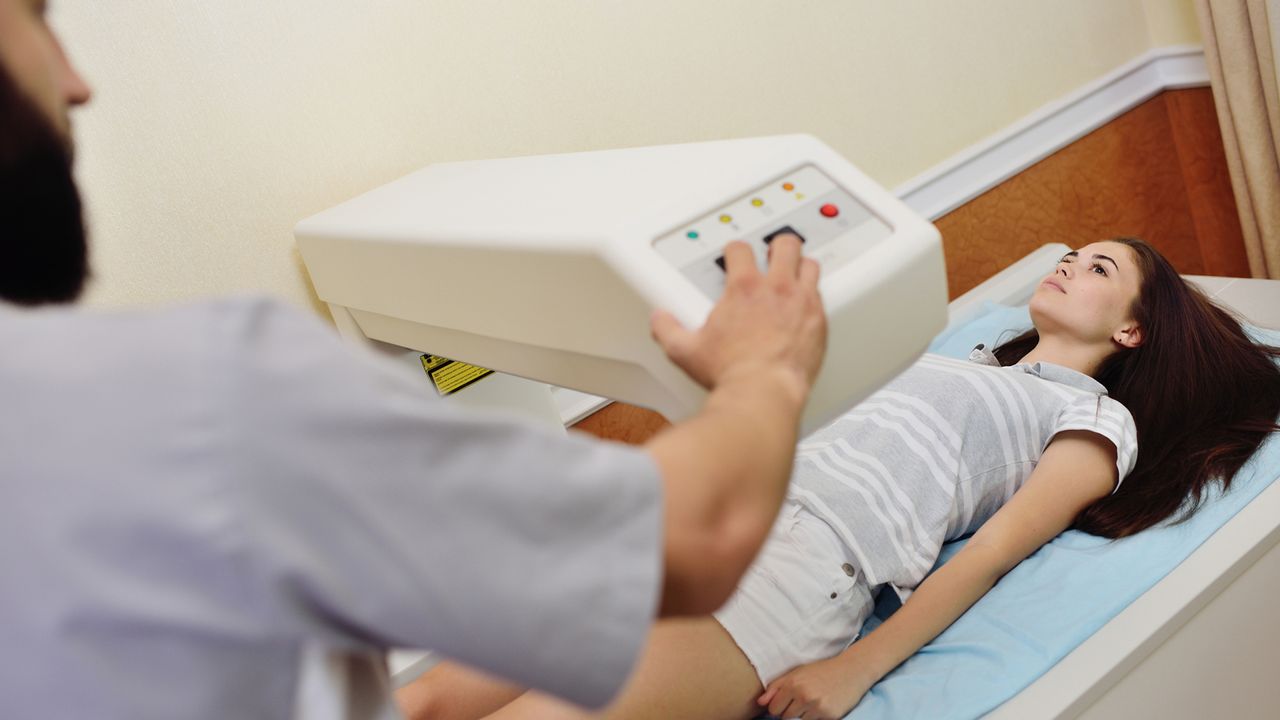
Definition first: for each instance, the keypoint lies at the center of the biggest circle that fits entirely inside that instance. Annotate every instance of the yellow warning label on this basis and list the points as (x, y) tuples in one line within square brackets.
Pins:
[(450, 376)]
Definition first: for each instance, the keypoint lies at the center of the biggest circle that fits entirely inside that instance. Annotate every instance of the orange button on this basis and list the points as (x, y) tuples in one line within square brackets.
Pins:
[(788, 187), (829, 210)]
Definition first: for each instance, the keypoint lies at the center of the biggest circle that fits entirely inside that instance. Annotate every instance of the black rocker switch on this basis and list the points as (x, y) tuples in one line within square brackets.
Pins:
[(782, 231)]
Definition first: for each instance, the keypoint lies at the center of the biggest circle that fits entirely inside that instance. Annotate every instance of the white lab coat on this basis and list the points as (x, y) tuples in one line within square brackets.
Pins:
[(192, 496)]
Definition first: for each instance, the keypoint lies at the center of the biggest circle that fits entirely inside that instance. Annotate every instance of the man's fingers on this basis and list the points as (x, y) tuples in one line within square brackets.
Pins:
[(672, 337), (809, 272), (738, 259), (784, 256)]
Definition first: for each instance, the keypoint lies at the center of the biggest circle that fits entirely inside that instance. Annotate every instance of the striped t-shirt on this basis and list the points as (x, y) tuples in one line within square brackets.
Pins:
[(933, 454)]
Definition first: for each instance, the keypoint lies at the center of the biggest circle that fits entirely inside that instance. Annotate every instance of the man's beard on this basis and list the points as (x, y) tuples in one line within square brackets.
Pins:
[(43, 252)]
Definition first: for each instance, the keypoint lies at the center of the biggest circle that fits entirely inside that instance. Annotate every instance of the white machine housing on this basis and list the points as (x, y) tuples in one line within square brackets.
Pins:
[(548, 267)]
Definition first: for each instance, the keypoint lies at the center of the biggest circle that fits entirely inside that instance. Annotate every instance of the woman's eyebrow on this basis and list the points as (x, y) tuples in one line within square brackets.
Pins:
[(1076, 253), (1113, 262)]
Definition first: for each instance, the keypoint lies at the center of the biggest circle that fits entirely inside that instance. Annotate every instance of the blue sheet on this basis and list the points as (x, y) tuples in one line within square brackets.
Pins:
[(1053, 600)]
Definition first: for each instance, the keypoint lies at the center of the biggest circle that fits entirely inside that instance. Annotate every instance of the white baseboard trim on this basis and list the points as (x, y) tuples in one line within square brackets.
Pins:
[(574, 405), (982, 166)]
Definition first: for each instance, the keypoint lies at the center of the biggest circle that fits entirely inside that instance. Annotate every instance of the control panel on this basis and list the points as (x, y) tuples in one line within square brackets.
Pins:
[(834, 227)]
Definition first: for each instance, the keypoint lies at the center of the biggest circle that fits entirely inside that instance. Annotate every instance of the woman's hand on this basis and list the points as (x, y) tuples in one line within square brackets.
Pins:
[(824, 690)]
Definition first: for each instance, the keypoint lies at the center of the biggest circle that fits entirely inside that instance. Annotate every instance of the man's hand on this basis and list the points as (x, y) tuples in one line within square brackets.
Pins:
[(824, 690), (762, 323)]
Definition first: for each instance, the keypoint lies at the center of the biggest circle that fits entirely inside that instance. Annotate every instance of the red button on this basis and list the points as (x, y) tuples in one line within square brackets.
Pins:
[(829, 210)]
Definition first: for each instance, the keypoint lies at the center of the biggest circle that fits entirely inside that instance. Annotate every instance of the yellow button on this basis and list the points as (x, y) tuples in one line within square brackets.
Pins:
[(726, 218), (757, 202)]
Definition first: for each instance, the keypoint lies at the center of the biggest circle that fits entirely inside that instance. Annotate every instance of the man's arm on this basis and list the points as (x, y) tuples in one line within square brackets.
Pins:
[(725, 470), (1076, 469)]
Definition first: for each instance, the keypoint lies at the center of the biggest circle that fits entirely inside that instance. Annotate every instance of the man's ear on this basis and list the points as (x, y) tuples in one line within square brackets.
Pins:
[(1129, 336)]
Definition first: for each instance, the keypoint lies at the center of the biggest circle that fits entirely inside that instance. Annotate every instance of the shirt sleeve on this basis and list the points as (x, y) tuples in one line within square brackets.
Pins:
[(1105, 416), (380, 515)]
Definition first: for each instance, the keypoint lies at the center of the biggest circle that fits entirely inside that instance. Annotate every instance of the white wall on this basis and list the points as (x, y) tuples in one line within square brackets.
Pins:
[(1172, 22), (217, 125)]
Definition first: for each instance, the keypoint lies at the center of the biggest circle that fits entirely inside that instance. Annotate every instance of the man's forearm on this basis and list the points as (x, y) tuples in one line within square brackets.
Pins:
[(725, 469), (725, 472)]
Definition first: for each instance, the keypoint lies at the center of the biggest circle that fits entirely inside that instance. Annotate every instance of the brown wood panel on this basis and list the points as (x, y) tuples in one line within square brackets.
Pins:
[(623, 422), (1123, 179), (1198, 140)]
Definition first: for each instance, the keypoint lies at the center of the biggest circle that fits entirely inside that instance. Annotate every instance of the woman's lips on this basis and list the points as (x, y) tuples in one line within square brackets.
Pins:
[(1053, 284)]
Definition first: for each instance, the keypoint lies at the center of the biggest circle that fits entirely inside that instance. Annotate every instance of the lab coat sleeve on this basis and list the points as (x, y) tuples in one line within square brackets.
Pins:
[(379, 515)]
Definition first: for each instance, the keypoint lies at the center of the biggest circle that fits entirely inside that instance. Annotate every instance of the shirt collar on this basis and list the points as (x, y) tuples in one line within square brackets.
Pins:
[(1064, 375), (1044, 371)]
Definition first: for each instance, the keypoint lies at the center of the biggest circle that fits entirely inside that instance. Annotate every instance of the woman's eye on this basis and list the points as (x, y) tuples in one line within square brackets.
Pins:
[(1100, 268)]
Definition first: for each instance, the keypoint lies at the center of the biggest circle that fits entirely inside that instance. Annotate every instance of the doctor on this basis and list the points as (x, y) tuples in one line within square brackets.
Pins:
[(201, 501)]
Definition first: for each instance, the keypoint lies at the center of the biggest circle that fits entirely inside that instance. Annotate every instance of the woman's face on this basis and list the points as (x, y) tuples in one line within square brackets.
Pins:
[(1088, 296)]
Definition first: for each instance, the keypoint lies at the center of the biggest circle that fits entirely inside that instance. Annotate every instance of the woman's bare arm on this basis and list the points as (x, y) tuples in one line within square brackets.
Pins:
[(1076, 469)]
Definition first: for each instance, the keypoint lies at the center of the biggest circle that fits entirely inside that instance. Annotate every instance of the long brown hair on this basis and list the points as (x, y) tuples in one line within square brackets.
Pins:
[(1202, 394)]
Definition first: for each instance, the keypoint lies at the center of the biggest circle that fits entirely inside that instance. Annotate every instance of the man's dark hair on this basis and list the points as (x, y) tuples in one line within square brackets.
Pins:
[(43, 252)]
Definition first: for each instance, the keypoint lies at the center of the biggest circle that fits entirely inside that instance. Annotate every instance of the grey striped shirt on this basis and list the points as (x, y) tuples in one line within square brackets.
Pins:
[(934, 454)]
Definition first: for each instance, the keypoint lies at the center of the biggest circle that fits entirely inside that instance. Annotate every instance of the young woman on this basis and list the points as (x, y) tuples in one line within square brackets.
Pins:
[(1014, 447)]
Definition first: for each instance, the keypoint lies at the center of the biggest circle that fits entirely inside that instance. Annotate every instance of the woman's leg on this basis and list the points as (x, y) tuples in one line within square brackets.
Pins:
[(689, 669), (803, 600), (454, 692)]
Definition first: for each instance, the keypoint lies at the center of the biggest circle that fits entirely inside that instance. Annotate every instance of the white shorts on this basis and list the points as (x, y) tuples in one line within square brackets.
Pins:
[(804, 599)]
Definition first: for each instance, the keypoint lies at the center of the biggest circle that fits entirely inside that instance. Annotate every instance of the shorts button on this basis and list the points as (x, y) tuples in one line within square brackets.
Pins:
[(848, 569), (833, 596)]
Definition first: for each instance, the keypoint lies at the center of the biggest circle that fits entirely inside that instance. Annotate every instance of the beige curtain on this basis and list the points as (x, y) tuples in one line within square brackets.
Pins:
[(1239, 46)]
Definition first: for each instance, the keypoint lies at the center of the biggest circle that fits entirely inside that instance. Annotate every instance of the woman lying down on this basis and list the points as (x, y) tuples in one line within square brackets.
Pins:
[(1129, 398)]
